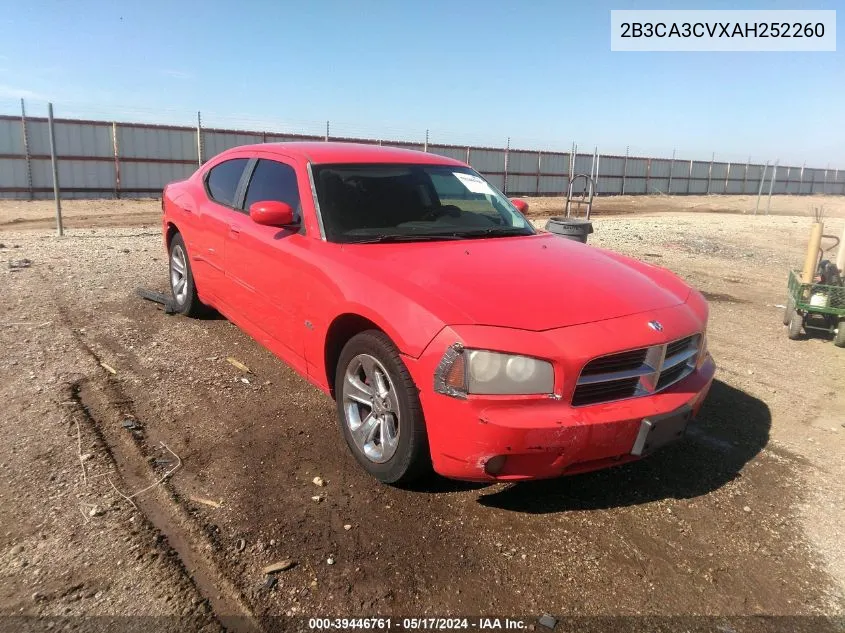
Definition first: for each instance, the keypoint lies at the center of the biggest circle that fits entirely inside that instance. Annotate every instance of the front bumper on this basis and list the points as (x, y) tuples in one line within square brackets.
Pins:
[(544, 437)]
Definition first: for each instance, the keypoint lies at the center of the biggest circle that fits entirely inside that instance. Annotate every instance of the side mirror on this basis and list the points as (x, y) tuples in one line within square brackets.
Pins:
[(521, 205), (271, 213)]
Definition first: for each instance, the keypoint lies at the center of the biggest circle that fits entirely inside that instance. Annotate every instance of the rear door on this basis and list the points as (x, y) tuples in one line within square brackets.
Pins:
[(221, 184), (264, 263)]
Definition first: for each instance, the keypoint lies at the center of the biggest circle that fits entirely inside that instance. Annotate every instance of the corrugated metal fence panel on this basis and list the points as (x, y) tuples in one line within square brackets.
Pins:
[(11, 137), (720, 172), (39, 137), (76, 174), (141, 142), (612, 166), (734, 186), (215, 142), (609, 185), (700, 170), (281, 138), (698, 186), (83, 139), (658, 185), (660, 168), (637, 167), (737, 171), (554, 164), (522, 184), (634, 185), (487, 160), (680, 169), (458, 153), (522, 162), (137, 175), (553, 184), (583, 164), (13, 172)]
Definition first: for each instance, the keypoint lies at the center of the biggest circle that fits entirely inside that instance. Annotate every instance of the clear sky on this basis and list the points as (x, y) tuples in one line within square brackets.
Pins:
[(539, 72)]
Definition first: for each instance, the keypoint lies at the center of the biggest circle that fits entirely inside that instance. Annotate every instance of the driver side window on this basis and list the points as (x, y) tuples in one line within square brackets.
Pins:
[(272, 180)]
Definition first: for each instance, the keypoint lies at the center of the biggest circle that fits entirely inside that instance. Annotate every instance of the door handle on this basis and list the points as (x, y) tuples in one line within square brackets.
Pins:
[(234, 232)]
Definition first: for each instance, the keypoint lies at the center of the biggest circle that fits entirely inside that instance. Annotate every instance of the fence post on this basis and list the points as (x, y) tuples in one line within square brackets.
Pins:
[(199, 139), (801, 178), (745, 177), (671, 169), (507, 156), (710, 172), (539, 171), (625, 169), (598, 163), (467, 160), (27, 155), (772, 186), (727, 177), (327, 131), (689, 176), (116, 160), (647, 175), (56, 194), (824, 185), (425, 146), (760, 190)]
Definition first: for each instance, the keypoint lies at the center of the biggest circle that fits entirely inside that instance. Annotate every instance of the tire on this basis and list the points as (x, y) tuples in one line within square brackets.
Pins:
[(794, 326), (393, 449), (839, 337), (185, 299), (788, 311)]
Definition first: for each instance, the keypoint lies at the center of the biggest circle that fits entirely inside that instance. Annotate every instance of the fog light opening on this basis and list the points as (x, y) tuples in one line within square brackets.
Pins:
[(495, 465)]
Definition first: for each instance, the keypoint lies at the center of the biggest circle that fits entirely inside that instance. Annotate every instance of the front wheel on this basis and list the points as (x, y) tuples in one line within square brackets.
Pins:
[(379, 411), (185, 299), (789, 310), (794, 326)]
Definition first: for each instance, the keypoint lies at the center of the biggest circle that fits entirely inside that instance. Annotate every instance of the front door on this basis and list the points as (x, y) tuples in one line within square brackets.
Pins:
[(264, 263)]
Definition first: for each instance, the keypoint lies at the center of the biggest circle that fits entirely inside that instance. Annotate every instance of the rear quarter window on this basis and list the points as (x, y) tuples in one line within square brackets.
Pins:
[(222, 180)]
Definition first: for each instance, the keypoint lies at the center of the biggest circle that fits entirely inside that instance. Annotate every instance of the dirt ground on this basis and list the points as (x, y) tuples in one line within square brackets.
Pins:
[(104, 395)]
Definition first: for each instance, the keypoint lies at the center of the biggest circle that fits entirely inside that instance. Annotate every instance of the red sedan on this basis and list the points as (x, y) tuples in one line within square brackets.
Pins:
[(449, 332)]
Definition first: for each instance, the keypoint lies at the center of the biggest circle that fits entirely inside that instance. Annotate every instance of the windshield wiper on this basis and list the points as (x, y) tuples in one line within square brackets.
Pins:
[(493, 231), (406, 237)]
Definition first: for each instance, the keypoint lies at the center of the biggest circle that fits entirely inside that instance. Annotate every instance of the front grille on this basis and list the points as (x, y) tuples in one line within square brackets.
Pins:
[(677, 346), (638, 372), (615, 362), (604, 391)]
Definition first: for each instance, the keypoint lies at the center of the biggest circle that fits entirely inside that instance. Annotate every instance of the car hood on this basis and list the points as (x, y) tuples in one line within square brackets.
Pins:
[(535, 282)]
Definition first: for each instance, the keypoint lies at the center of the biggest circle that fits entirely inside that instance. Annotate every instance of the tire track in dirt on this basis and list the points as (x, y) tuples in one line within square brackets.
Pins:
[(102, 403)]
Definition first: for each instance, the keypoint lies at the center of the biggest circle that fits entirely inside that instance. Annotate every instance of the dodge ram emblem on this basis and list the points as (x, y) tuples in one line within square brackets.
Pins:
[(656, 326)]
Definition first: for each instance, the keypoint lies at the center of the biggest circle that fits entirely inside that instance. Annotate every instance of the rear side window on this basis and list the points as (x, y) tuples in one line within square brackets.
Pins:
[(273, 181), (222, 181)]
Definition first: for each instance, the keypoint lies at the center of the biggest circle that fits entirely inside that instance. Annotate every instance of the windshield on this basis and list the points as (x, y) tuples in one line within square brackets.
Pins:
[(380, 203)]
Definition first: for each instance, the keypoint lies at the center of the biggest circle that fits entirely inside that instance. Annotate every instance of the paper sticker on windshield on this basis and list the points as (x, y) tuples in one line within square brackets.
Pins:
[(473, 183)]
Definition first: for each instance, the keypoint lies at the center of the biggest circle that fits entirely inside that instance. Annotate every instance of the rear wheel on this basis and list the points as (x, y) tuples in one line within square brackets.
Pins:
[(185, 299), (379, 411), (839, 337), (794, 326)]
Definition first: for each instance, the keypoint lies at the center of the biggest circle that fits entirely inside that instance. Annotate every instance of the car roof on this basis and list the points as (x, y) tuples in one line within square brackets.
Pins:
[(334, 152)]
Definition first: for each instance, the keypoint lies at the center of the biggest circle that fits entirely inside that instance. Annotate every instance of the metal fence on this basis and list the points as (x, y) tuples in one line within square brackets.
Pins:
[(101, 159)]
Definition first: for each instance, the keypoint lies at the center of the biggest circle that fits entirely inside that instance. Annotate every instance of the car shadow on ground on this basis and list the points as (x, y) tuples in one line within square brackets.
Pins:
[(730, 430)]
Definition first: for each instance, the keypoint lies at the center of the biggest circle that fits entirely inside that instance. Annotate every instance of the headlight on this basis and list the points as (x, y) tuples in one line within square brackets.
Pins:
[(463, 371)]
